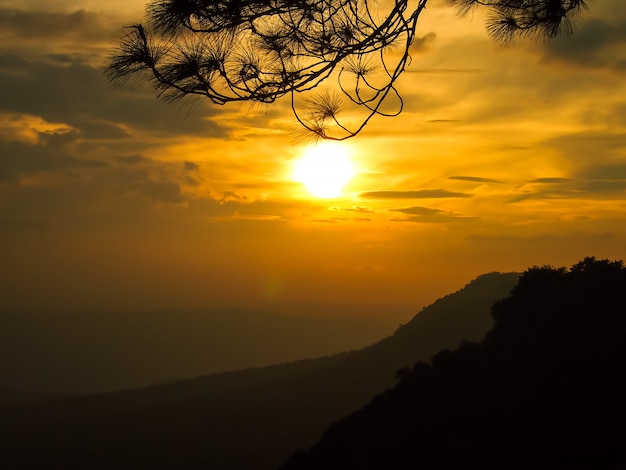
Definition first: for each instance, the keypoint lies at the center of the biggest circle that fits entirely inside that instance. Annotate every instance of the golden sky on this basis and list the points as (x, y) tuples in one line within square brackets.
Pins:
[(504, 157)]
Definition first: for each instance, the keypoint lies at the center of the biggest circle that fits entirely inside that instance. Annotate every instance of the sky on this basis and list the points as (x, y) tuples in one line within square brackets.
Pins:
[(505, 157)]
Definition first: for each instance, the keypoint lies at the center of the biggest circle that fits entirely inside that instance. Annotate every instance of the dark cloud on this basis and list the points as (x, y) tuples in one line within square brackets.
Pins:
[(422, 44), (604, 175), (594, 44), (590, 143), (102, 130), (420, 211), (134, 159), (616, 171), (550, 180), (231, 196), (51, 25), (605, 181), (100, 203), (21, 159), (540, 238), (33, 208), (166, 192), (444, 70), (475, 179), (592, 155), (325, 221), (549, 190), (359, 209), (336, 220), (429, 215), (190, 166), (230, 208), (420, 194), (605, 187), (78, 94)]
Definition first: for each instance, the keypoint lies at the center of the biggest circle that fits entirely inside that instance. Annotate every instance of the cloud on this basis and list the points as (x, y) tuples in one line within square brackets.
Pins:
[(63, 76), (614, 171), (422, 44), (231, 196), (359, 209), (337, 220), (538, 238), (233, 209), (589, 149), (428, 215), (419, 194), (29, 129), (23, 159), (475, 179), (190, 166), (163, 191), (79, 24), (592, 182), (608, 188), (598, 42), (550, 180), (444, 70), (77, 94), (134, 159)]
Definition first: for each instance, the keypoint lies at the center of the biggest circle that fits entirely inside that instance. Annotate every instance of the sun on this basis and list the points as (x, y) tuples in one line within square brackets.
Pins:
[(324, 169)]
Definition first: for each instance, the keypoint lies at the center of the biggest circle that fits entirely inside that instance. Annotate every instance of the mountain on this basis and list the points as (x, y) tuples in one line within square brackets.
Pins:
[(251, 419), (546, 388), (73, 353)]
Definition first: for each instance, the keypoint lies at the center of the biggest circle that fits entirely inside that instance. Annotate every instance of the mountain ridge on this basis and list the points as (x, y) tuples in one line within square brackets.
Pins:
[(230, 420)]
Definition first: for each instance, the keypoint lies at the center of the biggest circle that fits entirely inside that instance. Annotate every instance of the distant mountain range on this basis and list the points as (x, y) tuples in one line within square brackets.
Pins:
[(53, 354), (546, 389), (247, 420)]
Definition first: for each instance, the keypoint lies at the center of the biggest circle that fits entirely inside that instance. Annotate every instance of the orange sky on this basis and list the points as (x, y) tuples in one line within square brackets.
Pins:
[(505, 157)]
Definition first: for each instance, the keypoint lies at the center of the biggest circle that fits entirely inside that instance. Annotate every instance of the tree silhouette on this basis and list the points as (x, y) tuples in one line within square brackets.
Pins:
[(258, 51), (544, 389)]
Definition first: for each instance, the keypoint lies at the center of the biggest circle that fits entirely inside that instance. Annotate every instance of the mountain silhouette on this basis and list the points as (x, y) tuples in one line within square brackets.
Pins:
[(546, 388), (246, 420)]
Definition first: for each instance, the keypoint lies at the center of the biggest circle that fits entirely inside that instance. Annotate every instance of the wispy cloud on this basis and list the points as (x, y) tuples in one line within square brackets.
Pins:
[(596, 43), (428, 215), (358, 209), (418, 194), (475, 179), (550, 180)]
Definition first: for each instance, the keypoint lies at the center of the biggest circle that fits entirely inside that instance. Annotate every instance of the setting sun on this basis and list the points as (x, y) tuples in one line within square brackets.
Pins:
[(324, 169)]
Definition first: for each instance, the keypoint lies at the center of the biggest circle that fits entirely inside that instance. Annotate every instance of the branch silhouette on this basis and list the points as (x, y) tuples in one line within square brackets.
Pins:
[(259, 51)]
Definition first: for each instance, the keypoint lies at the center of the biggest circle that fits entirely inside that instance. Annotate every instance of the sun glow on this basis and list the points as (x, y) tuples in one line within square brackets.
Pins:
[(324, 169)]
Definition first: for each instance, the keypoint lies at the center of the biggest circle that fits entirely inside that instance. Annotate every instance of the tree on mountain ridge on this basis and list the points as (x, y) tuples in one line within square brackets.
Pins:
[(544, 389)]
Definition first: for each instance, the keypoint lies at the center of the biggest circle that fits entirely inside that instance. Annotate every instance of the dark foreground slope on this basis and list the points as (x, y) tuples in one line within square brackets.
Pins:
[(248, 420), (545, 389)]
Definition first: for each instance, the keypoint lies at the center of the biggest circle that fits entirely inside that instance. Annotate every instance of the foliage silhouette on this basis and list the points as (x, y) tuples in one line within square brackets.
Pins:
[(546, 388), (258, 51)]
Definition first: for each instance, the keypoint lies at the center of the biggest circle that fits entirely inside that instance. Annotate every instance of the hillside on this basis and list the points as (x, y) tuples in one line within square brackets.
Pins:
[(247, 420), (546, 388)]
